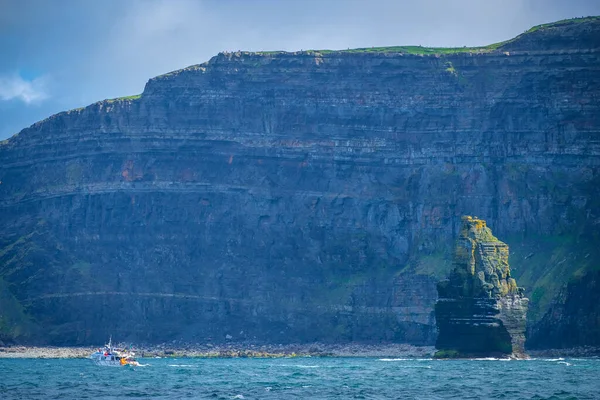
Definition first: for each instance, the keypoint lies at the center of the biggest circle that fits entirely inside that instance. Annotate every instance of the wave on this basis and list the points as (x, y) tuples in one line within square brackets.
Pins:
[(566, 363)]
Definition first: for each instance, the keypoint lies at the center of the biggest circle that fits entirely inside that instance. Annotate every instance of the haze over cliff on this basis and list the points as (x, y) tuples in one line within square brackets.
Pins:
[(304, 196)]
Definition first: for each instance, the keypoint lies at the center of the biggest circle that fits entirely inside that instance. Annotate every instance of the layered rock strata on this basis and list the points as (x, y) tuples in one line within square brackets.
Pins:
[(481, 312), (573, 319), (298, 197)]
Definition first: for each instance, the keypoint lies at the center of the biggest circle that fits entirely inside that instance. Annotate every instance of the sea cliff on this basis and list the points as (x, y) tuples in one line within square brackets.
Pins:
[(481, 312), (302, 197)]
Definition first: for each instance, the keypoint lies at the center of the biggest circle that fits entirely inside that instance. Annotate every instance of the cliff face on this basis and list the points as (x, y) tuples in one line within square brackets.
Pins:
[(481, 311), (574, 317), (299, 196)]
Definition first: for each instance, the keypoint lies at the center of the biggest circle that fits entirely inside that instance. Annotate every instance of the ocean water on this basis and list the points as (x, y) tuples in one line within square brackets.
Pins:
[(302, 378)]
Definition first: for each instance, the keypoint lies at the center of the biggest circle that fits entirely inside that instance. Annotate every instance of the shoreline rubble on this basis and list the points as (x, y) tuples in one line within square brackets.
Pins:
[(245, 350), (230, 350)]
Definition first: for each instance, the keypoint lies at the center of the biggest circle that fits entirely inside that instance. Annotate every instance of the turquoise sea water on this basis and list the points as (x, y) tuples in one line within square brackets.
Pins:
[(303, 378)]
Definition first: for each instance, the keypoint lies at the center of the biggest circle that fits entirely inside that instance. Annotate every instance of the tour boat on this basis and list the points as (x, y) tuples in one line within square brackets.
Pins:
[(113, 357)]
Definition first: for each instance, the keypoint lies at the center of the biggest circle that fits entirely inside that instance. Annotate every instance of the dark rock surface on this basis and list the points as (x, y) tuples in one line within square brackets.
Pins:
[(573, 320), (481, 312), (300, 197)]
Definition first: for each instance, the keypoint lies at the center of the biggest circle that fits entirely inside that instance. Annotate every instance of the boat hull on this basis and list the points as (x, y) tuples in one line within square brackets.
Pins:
[(108, 363), (109, 360)]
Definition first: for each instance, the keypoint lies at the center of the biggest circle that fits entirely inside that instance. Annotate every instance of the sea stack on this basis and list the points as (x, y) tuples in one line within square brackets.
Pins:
[(481, 312)]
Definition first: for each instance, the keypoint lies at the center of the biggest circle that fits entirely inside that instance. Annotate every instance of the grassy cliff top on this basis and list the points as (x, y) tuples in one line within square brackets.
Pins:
[(528, 36), (452, 50), (124, 98), (565, 22)]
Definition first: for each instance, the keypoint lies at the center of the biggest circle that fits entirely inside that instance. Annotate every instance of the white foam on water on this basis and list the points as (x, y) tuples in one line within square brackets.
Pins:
[(554, 359), (297, 365), (393, 359), (564, 362)]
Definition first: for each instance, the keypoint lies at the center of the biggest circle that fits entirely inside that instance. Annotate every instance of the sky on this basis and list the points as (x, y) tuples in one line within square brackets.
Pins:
[(64, 54)]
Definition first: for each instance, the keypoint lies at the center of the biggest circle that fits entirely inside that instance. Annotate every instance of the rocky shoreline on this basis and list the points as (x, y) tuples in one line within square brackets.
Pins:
[(392, 350), (232, 350)]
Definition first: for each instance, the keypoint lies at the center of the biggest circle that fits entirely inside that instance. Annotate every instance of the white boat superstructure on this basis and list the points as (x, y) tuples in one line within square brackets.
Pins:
[(113, 357)]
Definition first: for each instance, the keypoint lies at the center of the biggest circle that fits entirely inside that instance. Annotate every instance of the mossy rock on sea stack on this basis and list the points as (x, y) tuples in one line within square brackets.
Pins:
[(481, 312)]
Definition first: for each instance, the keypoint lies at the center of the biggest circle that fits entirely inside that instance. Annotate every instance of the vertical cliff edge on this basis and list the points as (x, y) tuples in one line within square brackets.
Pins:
[(309, 196), (481, 312)]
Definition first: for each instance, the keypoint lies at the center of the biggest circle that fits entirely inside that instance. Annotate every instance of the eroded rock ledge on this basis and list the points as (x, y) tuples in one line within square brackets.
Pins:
[(481, 312), (301, 197)]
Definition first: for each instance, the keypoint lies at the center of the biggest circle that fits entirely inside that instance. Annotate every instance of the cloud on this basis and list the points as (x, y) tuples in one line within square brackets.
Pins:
[(115, 46), (14, 87)]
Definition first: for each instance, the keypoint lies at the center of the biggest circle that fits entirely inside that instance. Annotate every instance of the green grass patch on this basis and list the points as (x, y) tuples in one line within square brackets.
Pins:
[(416, 50), (446, 354), (124, 98), (437, 265), (423, 50), (14, 321), (544, 264), (450, 68), (564, 22)]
